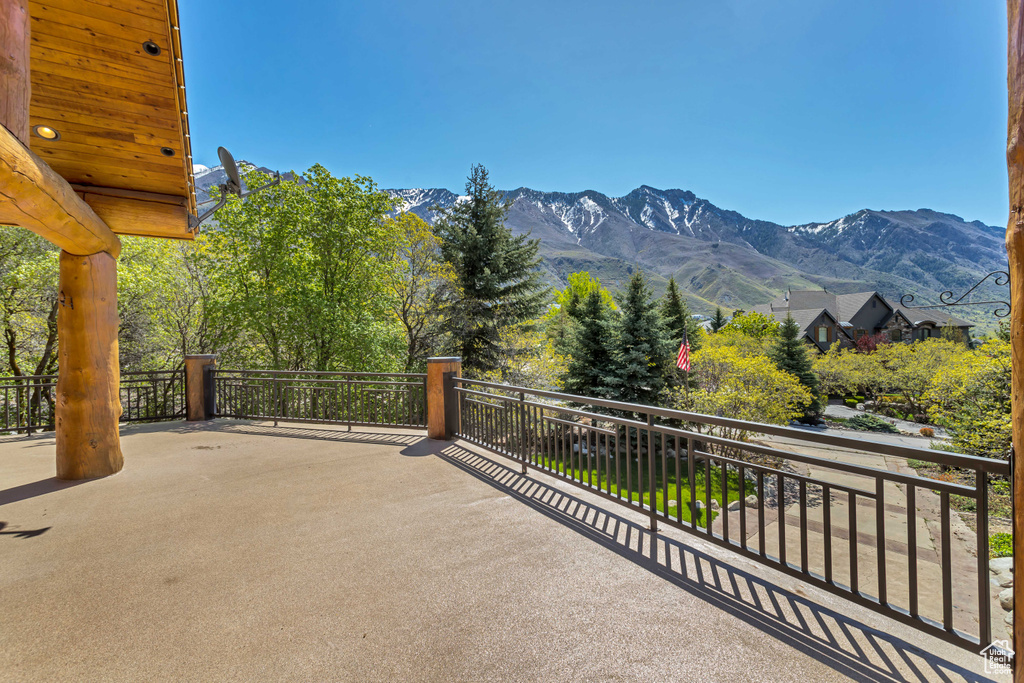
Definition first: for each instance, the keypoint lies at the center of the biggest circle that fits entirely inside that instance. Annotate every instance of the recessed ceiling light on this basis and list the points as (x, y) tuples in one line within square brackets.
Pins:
[(46, 133), (151, 48), (167, 151)]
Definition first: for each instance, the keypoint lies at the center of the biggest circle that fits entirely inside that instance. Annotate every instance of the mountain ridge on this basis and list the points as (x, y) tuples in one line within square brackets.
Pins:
[(721, 257)]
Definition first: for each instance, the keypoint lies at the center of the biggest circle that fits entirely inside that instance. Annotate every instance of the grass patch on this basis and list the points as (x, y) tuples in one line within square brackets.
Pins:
[(622, 480)]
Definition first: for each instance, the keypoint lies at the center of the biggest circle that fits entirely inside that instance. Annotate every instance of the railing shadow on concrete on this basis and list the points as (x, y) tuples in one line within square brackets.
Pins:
[(285, 431), (849, 646)]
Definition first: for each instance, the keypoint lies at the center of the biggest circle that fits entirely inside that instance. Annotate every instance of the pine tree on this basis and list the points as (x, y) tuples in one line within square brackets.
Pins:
[(676, 316), (719, 321), (640, 353), (497, 272), (590, 358), (790, 354)]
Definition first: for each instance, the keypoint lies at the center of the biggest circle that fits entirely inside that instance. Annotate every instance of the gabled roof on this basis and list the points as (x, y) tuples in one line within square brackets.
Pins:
[(851, 304), (933, 315)]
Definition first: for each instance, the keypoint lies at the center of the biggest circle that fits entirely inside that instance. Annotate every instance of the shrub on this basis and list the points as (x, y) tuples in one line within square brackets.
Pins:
[(851, 402), (870, 423), (1000, 545), (927, 431)]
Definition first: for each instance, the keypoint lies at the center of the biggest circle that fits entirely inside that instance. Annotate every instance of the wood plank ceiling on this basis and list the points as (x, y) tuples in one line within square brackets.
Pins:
[(119, 109)]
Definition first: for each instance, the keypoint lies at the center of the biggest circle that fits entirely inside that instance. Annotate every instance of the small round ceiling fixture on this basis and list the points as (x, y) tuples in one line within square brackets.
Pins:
[(45, 132), (151, 48), (167, 151)]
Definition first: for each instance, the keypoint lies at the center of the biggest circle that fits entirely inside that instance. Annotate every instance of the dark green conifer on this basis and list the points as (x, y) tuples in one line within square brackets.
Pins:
[(719, 321), (789, 352), (641, 353), (676, 315), (497, 271), (589, 342)]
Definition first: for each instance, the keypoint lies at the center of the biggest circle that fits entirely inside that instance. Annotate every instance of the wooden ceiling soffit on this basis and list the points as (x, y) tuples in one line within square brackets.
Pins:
[(108, 76)]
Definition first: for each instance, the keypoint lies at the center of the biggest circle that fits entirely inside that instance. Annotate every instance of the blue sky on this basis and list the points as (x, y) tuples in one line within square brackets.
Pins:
[(786, 110)]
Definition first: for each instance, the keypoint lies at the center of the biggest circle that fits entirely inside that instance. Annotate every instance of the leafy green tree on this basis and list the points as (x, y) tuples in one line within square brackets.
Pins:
[(303, 272), (789, 353), (756, 325), (589, 350), (970, 395), (719, 320), (641, 354), (424, 286), (560, 318), (497, 273), (742, 387)]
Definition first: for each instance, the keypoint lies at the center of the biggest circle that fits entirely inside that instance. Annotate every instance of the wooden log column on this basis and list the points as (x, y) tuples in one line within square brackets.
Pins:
[(89, 376), (197, 390), (442, 402), (1015, 255)]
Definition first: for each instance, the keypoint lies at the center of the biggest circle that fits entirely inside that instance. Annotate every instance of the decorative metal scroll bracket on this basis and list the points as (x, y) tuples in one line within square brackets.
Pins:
[(1000, 278)]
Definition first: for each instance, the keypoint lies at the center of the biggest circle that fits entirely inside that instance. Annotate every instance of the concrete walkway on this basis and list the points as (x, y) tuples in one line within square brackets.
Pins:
[(239, 551)]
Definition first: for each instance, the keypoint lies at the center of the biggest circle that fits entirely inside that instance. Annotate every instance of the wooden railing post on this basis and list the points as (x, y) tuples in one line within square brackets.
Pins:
[(199, 386), (442, 399)]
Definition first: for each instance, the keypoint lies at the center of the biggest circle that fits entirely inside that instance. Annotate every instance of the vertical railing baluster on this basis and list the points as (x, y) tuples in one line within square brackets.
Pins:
[(883, 596), (780, 504), (691, 478), (984, 604), (912, 549), (724, 476), (803, 527), (742, 475), (947, 562), (651, 473), (760, 513), (854, 583), (826, 522)]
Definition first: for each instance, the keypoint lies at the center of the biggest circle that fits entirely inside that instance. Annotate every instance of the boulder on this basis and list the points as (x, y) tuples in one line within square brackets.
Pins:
[(734, 506), (1000, 565), (1004, 579), (1006, 599), (751, 500), (715, 505), (1008, 619)]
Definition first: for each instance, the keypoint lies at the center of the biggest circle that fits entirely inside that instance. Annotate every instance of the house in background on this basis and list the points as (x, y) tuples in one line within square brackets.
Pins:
[(825, 318)]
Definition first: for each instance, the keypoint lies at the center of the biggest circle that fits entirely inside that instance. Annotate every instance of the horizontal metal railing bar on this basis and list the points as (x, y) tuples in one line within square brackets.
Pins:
[(320, 373), (953, 459), (256, 381), (873, 472)]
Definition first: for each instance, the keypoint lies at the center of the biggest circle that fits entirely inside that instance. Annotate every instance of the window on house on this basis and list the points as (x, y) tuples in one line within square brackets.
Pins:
[(859, 333), (896, 335), (874, 303), (821, 334)]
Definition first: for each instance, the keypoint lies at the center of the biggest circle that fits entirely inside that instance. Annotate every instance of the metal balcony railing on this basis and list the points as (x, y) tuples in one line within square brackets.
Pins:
[(349, 398), (838, 512)]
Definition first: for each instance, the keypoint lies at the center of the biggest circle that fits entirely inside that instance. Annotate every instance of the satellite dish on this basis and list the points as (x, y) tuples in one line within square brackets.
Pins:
[(234, 183), (232, 186)]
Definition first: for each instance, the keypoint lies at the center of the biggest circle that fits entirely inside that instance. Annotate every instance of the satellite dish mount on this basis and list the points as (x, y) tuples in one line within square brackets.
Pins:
[(233, 186)]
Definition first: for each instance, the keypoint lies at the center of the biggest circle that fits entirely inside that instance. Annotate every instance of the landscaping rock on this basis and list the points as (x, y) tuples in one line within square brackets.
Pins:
[(734, 506), (715, 505), (1006, 599), (1008, 619), (700, 505), (670, 452), (751, 500), (1004, 579), (1000, 565)]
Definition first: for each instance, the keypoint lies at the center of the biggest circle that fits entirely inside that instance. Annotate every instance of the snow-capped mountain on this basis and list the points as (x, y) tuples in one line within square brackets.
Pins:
[(720, 257)]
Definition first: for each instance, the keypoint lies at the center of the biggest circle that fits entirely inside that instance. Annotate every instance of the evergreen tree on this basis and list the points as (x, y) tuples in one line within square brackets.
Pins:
[(676, 315), (590, 357), (719, 321), (641, 354), (790, 355), (497, 272)]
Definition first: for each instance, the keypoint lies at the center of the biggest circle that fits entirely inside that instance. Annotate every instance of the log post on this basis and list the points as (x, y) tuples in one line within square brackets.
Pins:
[(15, 81), (442, 400), (1015, 256), (198, 388), (89, 375)]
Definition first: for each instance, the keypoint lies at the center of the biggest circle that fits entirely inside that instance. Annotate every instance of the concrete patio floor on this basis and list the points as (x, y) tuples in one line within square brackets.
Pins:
[(236, 550)]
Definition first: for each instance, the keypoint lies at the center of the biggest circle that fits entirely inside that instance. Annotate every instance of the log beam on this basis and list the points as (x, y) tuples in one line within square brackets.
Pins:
[(33, 196), (88, 383), (1015, 256)]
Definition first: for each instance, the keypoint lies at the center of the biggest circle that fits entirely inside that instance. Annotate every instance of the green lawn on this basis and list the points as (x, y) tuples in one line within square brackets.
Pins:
[(638, 478)]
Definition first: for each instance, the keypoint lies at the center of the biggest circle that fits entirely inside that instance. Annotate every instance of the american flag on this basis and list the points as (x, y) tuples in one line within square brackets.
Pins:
[(683, 359)]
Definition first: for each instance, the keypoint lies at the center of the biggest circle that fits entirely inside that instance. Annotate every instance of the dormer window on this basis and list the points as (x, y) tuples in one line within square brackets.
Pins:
[(821, 334)]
